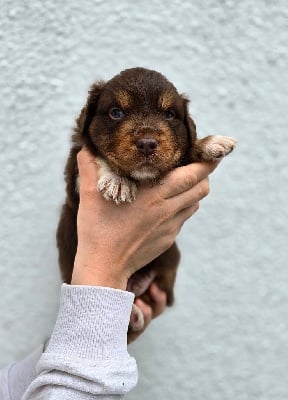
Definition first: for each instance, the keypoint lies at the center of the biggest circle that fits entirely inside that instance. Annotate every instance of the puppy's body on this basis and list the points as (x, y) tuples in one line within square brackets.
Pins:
[(138, 127)]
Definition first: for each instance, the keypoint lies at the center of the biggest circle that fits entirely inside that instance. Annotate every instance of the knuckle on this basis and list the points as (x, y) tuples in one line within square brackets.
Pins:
[(204, 188), (190, 180), (154, 202), (186, 181)]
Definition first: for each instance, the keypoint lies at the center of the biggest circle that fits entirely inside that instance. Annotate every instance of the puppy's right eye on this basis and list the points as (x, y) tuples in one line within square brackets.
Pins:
[(169, 114), (116, 113)]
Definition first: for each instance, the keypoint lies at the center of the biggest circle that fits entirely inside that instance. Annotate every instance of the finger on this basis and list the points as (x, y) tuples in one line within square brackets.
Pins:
[(176, 223), (184, 178), (184, 215), (190, 197), (87, 168), (160, 299)]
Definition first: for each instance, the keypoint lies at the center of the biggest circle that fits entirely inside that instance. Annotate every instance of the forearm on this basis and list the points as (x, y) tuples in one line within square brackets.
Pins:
[(87, 353), (85, 358)]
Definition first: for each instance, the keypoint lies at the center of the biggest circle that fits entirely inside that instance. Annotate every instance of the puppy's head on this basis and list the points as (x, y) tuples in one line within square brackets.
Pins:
[(138, 123)]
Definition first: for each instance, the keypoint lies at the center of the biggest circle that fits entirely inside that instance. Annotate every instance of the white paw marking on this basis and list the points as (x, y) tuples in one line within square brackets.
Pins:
[(136, 319), (218, 147), (114, 187), (117, 188)]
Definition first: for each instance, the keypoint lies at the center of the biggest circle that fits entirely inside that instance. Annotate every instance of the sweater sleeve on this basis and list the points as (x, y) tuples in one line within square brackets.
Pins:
[(87, 352)]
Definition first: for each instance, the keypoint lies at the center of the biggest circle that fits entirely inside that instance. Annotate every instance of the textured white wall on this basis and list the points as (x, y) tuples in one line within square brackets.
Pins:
[(227, 335)]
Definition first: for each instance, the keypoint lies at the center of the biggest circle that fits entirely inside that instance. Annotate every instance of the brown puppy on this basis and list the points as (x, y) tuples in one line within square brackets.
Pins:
[(139, 128)]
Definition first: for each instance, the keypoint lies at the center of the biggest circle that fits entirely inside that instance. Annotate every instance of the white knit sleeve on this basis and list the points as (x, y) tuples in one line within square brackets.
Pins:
[(87, 353)]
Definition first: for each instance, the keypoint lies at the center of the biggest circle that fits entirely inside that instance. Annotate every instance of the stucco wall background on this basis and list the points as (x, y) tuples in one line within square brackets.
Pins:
[(226, 337)]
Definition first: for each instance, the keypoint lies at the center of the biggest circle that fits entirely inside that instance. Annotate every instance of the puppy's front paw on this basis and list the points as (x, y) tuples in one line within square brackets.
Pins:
[(217, 147), (117, 188), (136, 319)]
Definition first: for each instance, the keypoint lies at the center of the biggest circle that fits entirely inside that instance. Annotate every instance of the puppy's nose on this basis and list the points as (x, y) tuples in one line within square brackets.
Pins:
[(146, 146)]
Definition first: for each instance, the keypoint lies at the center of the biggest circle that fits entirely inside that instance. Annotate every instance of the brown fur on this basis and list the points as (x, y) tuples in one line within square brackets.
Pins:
[(145, 97)]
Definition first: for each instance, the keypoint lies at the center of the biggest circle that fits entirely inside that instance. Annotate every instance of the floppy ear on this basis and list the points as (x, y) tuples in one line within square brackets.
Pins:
[(191, 133), (88, 112), (189, 123)]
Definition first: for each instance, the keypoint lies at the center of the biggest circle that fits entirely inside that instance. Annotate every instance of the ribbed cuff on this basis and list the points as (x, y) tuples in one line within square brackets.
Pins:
[(92, 323)]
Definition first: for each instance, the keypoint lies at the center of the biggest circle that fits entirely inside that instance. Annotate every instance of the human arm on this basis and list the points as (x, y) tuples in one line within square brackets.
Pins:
[(105, 259)]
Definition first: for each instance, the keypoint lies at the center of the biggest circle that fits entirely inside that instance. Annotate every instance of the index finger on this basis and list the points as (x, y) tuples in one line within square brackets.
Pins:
[(87, 167), (184, 178)]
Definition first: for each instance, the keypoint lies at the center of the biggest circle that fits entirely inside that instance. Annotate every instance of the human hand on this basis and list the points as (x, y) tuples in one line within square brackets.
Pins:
[(114, 241)]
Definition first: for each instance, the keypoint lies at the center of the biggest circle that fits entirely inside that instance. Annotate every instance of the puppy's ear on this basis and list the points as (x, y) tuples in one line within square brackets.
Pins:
[(191, 132), (88, 112), (189, 123)]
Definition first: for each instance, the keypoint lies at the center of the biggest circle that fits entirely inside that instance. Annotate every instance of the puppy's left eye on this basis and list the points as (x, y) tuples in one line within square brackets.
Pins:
[(116, 113), (169, 114)]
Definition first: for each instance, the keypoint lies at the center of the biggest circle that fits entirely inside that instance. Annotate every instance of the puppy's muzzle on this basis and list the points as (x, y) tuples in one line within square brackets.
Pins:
[(146, 146)]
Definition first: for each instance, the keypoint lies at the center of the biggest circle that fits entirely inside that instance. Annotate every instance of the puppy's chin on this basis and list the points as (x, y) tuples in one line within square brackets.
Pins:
[(145, 173)]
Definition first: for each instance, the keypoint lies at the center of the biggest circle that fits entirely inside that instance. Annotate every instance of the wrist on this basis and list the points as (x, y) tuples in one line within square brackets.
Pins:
[(97, 273)]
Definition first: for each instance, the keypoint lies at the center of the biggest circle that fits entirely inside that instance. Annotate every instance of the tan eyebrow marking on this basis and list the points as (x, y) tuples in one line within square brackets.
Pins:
[(166, 100), (124, 99)]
